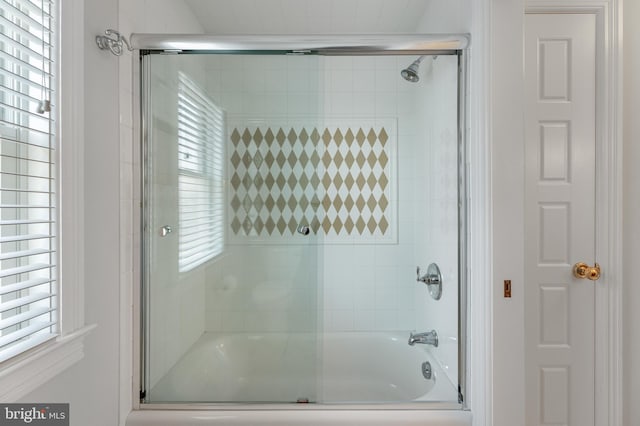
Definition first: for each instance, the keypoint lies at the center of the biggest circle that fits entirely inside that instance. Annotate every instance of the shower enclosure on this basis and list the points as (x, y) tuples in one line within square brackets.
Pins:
[(291, 192)]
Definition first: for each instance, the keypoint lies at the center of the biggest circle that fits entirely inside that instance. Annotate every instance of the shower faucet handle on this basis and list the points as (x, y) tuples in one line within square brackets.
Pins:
[(433, 280), (431, 277)]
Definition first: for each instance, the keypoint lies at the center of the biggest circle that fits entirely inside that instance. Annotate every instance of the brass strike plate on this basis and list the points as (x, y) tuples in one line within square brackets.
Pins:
[(507, 288)]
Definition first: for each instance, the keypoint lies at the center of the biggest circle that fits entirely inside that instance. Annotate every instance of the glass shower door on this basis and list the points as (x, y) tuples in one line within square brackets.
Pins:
[(230, 250)]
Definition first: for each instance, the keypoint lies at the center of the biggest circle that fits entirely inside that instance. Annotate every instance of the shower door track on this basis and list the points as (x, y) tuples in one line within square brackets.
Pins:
[(440, 44)]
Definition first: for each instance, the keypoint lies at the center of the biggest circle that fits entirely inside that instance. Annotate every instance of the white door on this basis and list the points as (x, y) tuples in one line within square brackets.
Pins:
[(560, 140)]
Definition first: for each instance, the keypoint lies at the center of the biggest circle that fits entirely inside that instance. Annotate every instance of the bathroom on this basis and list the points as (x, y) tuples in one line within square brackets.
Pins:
[(110, 155)]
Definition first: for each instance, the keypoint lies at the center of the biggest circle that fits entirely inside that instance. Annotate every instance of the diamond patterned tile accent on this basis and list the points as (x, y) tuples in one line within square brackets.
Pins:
[(235, 204), (246, 137), (246, 182), (282, 225), (246, 159), (383, 159), (292, 137), (372, 137), (360, 181), (360, 137), (383, 137), (304, 137), (337, 225), (315, 180), (315, 136), (258, 225), (235, 181), (269, 159), (349, 137), (337, 136), (383, 182), (235, 137), (269, 181), (338, 159), (235, 160), (269, 137), (270, 225), (304, 160), (257, 136), (349, 181), (235, 225), (383, 224), (383, 202), (348, 225), (335, 179), (326, 136), (315, 159), (349, 203), (372, 225), (304, 182)]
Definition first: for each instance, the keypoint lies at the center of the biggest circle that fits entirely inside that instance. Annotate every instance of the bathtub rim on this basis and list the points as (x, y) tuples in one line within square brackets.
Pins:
[(349, 416)]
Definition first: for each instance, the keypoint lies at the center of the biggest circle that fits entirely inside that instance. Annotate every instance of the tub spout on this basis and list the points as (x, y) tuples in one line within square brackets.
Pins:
[(427, 338)]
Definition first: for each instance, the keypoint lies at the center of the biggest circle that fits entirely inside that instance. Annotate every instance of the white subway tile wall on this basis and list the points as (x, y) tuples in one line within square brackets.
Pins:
[(358, 285)]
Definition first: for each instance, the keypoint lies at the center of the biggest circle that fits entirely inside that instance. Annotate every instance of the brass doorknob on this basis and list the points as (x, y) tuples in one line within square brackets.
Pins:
[(582, 270)]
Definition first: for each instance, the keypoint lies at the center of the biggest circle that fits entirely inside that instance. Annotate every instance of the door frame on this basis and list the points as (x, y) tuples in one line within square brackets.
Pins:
[(608, 303)]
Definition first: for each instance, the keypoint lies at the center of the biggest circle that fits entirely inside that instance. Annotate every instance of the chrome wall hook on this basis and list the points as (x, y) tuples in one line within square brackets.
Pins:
[(113, 41)]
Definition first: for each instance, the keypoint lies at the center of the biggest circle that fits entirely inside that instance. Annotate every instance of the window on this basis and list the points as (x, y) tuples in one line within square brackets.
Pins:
[(42, 328), (28, 284), (201, 129)]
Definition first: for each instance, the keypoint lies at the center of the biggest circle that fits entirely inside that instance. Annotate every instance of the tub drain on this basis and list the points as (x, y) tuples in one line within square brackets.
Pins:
[(427, 372)]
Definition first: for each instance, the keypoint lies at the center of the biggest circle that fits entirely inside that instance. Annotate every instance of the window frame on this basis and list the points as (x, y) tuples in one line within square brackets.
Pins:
[(27, 371)]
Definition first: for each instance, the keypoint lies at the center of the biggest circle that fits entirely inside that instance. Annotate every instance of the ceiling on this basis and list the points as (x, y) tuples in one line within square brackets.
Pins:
[(309, 16)]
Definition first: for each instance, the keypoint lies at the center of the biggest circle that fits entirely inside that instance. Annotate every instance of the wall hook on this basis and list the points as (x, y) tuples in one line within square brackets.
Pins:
[(114, 41)]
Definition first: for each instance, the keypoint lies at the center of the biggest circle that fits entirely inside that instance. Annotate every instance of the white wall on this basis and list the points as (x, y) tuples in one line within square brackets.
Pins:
[(92, 386), (631, 213), (451, 16), (507, 175)]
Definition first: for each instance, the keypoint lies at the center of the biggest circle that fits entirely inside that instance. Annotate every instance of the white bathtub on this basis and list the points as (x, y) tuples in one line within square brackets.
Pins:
[(354, 378)]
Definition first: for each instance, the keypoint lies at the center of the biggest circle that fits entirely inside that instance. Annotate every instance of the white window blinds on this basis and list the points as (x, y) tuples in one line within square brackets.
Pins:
[(201, 129), (28, 300)]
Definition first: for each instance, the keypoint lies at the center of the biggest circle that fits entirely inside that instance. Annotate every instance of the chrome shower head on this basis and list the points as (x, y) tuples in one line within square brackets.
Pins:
[(411, 72)]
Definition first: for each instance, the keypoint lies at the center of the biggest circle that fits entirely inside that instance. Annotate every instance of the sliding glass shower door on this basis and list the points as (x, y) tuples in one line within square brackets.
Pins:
[(230, 228)]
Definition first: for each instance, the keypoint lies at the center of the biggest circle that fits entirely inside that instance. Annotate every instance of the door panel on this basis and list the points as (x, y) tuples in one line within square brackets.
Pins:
[(560, 53)]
